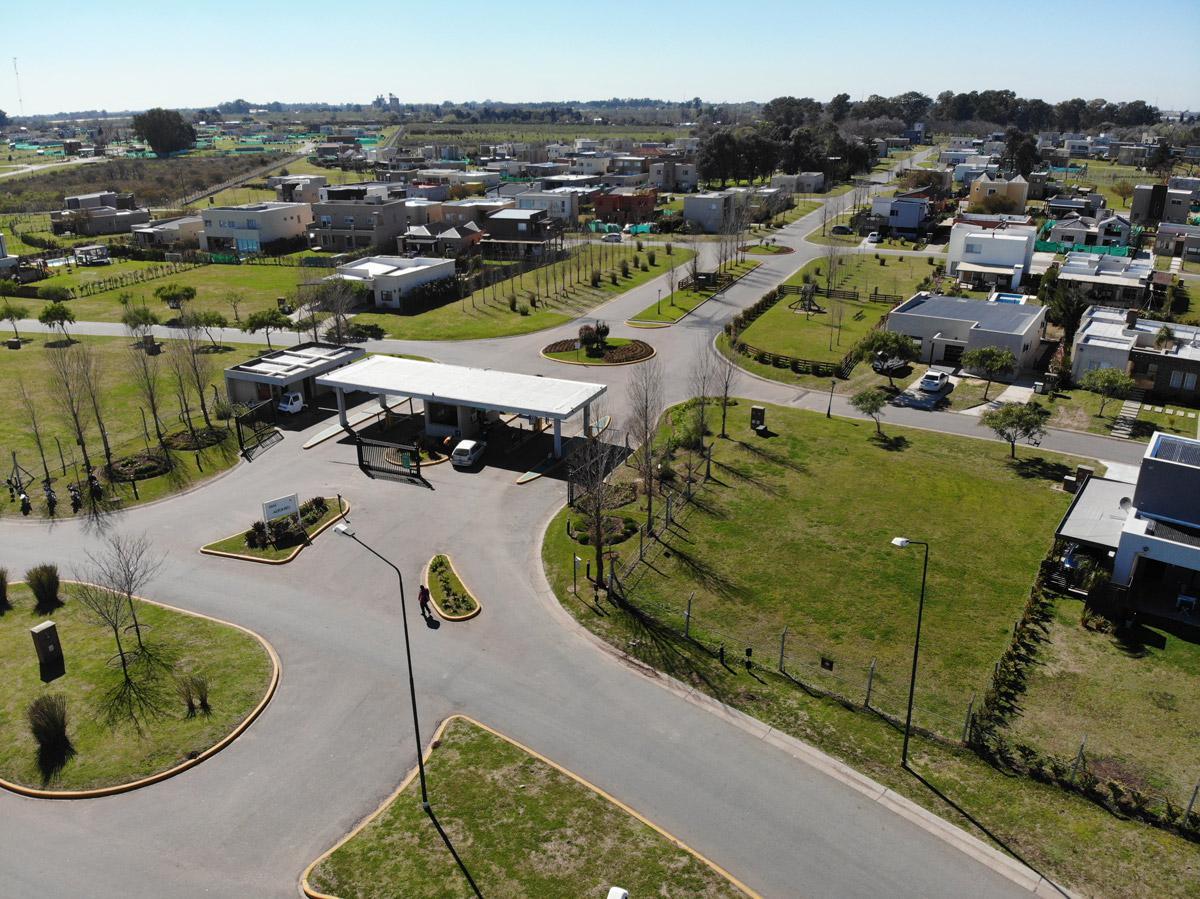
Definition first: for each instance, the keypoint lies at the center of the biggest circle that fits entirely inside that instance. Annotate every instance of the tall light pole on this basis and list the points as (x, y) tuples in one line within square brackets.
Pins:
[(829, 408), (346, 530), (902, 543), (658, 302)]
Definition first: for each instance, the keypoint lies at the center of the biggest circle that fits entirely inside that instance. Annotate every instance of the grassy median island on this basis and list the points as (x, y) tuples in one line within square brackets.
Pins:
[(794, 531), (522, 827), (280, 539), (120, 737), (675, 306), (614, 351), (449, 593)]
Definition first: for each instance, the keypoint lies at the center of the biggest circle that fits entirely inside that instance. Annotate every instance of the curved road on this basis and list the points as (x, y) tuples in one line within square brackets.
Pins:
[(337, 737)]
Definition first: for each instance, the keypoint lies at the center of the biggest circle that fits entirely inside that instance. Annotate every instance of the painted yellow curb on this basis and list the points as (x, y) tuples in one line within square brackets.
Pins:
[(645, 325), (653, 353), (204, 550), (308, 890), (433, 600), (276, 668)]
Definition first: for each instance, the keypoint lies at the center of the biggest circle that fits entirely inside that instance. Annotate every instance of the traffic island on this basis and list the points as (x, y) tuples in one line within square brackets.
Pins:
[(523, 826), (122, 692), (451, 599), (612, 351), (278, 541)]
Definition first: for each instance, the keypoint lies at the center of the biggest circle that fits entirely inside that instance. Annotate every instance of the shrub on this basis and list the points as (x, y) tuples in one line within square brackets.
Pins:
[(624, 268), (200, 687), (187, 693), (47, 716), (512, 303), (53, 293), (523, 309), (650, 257), (670, 249), (363, 331), (595, 277), (612, 276), (640, 246), (43, 581)]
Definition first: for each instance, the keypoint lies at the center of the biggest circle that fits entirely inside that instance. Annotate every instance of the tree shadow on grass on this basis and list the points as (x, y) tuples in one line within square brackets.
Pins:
[(896, 444), (1039, 468), (52, 757), (708, 576), (773, 458), (661, 647), (751, 479), (1136, 640)]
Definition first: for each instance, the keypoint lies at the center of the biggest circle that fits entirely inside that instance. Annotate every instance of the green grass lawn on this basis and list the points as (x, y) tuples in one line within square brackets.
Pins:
[(78, 275), (828, 336), (522, 827), (759, 249), (860, 379), (237, 542), (259, 286), (480, 315), (839, 240), (824, 498), (237, 667), (122, 415), (1079, 410), (1135, 698), (799, 210), (581, 355), (675, 306)]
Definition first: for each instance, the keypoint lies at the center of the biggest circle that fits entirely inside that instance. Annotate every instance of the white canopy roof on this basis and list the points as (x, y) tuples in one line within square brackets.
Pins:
[(480, 388)]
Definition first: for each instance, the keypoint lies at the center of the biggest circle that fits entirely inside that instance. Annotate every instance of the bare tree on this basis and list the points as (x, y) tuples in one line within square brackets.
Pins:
[(590, 471), (694, 262), (125, 566), (31, 416), (832, 257), (110, 609), (234, 299), (147, 378), (645, 397), (93, 385), (701, 379), (70, 394), (179, 365), (199, 364), (337, 299), (725, 374)]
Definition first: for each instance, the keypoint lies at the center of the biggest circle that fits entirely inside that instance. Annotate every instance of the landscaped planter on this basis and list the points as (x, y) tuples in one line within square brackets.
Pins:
[(451, 598), (617, 351)]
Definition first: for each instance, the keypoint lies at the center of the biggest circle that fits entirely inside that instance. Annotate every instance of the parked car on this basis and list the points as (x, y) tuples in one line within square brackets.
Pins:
[(841, 229), (291, 403), (467, 453), (933, 381), (874, 237), (612, 237)]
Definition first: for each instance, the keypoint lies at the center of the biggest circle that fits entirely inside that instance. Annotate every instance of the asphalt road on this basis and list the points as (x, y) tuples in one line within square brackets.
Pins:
[(337, 737)]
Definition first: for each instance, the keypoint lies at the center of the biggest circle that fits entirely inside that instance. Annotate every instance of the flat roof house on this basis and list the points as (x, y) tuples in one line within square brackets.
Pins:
[(671, 175), (512, 233), (1111, 280), (345, 222), (983, 253), (103, 212), (392, 278), (712, 211), (177, 232), (946, 327), (1178, 240), (905, 213), (1167, 368), (253, 227), (626, 205), (561, 205)]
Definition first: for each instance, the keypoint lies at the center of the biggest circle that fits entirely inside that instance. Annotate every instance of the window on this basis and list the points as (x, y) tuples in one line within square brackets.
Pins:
[(1189, 381), (1177, 379), (1152, 370), (327, 221), (972, 248)]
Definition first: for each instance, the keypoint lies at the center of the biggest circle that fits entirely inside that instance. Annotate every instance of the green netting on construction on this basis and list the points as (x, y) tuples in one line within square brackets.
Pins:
[(1054, 246)]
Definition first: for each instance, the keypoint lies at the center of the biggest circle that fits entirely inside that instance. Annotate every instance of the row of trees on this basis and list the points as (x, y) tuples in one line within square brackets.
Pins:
[(752, 153)]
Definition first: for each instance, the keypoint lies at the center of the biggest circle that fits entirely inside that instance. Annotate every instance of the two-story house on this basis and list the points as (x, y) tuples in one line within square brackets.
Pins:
[(1163, 359), (904, 213), (253, 227), (1076, 230), (518, 233)]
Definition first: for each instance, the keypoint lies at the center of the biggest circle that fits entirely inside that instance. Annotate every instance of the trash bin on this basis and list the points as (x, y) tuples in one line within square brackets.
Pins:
[(758, 417), (1039, 387)]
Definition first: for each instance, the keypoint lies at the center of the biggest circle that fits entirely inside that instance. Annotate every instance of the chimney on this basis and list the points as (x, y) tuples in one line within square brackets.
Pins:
[(1131, 318)]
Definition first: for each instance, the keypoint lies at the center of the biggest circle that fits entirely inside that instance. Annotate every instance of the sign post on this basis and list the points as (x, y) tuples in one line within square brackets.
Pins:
[(281, 507)]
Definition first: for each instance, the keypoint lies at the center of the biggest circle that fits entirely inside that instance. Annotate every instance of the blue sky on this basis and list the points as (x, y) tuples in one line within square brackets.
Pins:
[(205, 51)]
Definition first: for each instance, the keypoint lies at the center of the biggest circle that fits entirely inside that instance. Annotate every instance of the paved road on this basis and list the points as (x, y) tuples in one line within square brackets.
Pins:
[(337, 737)]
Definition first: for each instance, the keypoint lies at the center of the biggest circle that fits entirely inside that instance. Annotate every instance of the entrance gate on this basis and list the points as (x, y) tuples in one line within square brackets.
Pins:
[(256, 431), (392, 461)]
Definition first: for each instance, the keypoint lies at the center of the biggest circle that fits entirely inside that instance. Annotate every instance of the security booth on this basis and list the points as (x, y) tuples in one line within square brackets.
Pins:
[(294, 369), (460, 401)]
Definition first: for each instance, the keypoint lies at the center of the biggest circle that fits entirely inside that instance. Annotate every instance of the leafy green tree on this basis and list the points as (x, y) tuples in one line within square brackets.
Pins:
[(1017, 421), (12, 314), (871, 402), (1164, 338), (992, 361), (165, 130), (208, 321), (1066, 306), (266, 320), (890, 344), (57, 315), (138, 320), (1110, 383), (175, 294), (839, 106)]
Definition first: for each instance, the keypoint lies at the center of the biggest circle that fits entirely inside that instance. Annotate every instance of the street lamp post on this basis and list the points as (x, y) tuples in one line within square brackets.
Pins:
[(658, 302), (346, 530), (829, 409), (903, 542)]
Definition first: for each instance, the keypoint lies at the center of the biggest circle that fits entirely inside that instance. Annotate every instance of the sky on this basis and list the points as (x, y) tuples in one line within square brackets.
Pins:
[(202, 52)]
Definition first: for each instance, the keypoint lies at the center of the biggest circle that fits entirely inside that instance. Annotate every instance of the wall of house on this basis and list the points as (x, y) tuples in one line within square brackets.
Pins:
[(389, 289), (992, 249)]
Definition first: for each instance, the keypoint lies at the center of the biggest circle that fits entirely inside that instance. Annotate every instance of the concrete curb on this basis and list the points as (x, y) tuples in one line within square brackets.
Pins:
[(1021, 875), (306, 889), (276, 669), (641, 323), (441, 612), (205, 551)]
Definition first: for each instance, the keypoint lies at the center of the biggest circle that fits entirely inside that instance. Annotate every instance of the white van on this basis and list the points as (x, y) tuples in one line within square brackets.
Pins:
[(291, 403), (467, 453)]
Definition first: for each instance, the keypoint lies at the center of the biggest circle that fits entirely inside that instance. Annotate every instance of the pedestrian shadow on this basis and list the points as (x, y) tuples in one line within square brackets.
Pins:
[(432, 623)]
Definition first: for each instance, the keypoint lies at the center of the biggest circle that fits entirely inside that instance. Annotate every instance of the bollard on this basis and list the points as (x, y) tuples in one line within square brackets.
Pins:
[(782, 644), (870, 683)]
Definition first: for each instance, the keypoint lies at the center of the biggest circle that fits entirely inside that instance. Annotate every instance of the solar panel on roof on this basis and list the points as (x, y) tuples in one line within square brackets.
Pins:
[(1177, 449)]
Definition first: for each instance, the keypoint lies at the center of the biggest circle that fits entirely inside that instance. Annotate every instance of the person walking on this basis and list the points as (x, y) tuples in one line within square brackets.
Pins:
[(423, 599)]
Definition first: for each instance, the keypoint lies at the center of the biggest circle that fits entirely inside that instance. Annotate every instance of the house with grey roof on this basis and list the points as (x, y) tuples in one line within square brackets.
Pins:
[(1163, 359), (946, 327), (1107, 230)]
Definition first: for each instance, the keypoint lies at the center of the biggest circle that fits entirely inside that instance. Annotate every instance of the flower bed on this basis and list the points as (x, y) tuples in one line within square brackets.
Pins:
[(452, 599)]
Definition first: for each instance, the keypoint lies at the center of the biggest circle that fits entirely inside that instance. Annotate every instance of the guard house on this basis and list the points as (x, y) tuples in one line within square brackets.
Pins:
[(457, 399), (287, 370)]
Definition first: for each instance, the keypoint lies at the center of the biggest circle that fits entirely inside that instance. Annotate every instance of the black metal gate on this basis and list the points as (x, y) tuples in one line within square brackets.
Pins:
[(256, 431), (393, 461)]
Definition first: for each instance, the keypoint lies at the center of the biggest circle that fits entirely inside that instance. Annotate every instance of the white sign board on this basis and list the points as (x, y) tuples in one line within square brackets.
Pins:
[(277, 508)]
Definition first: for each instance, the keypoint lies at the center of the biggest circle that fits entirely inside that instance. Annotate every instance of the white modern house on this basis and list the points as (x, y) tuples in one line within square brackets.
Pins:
[(252, 226), (946, 327), (391, 278), (183, 231), (6, 262), (999, 255), (559, 204), (1115, 280)]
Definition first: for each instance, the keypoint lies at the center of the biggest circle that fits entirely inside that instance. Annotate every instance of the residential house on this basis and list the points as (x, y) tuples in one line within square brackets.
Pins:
[(800, 183), (545, 169), (1086, 202), (917, 134), (175, 233), (253, 227), (1149, 527), (475, 209), (440, 238), (1111, 230), (590, 164), (673, 176), (1172, 202), (353, 218), (297, 188), (516, 233), (990, 252), (568, 180), (104, 212), (559, 204), (1015, 190), (946, 327), (8, 263), (904, 213), (392, 278), (1112, 280), (1178, 240), (626, 205), (711, 212), (480, 179), (1164, 364)]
